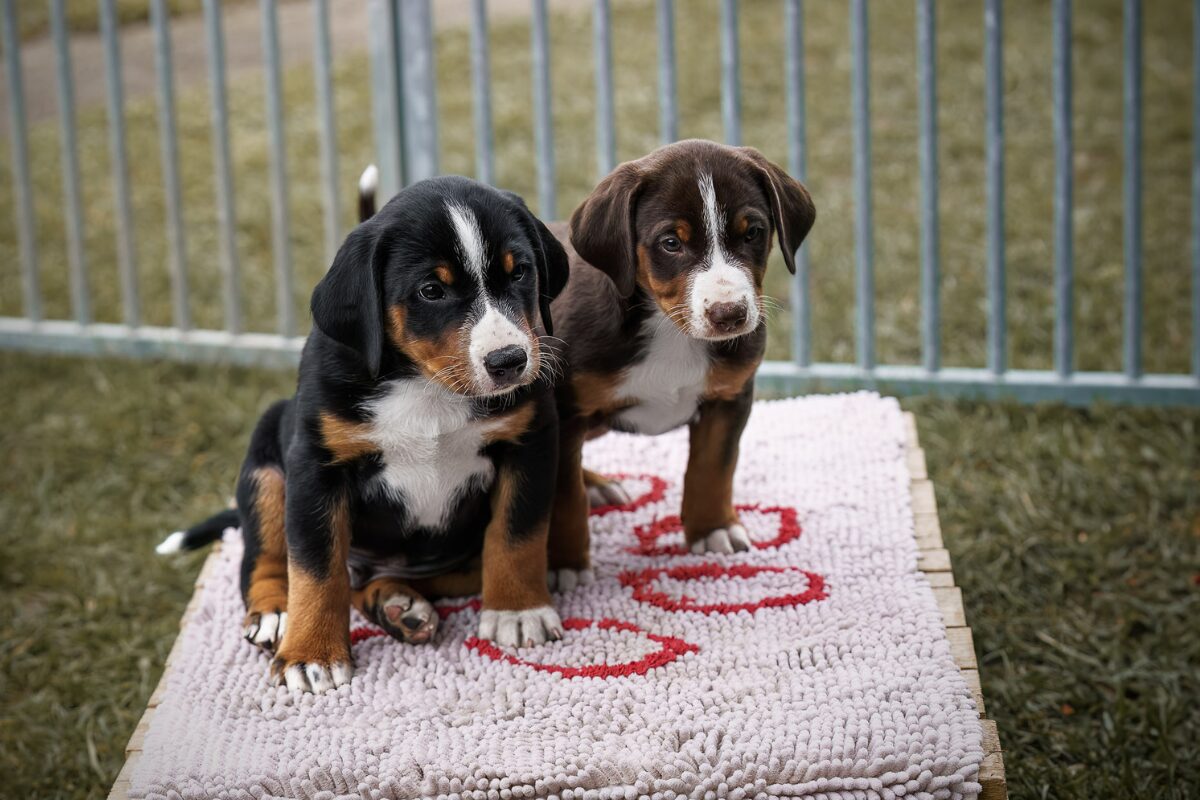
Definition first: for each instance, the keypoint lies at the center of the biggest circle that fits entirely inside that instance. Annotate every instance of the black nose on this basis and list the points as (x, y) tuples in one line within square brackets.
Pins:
[(727, 317), (506, 364)]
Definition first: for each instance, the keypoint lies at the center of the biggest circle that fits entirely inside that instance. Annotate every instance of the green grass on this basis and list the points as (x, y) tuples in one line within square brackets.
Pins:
[(1075, 534), (33, 19)]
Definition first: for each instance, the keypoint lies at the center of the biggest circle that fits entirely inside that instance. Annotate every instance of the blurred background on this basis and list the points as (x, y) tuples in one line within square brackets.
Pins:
[(1071, 509)]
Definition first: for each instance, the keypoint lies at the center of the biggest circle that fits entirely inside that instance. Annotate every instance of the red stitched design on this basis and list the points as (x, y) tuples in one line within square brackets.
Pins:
[(656, 492), (649, 534), (642, 584), (671, 649)]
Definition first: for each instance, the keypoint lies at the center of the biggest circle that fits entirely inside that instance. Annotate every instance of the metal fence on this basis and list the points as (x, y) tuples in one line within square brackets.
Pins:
[(403, 76)]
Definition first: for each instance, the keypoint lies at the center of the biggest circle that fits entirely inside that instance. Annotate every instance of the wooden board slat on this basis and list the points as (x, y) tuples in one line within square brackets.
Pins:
[(962, 647), (924, 500), (971, 676), (950, 603), (991, 771), (933, 560)]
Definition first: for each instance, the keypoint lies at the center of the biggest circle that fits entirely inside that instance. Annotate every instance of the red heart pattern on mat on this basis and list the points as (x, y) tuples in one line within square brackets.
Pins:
[(645, 586)]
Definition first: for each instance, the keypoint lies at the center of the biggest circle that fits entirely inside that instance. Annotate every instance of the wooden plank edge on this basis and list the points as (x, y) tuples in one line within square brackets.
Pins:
[(934, 560), (133, 748), (991, 770)]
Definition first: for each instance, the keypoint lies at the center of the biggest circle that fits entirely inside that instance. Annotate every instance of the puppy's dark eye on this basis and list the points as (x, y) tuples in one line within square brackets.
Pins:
[(670, 243), (753, 232), (518, 272), (432, 291)]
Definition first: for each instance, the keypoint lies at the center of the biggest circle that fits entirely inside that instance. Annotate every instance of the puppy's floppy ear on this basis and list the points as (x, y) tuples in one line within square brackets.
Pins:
[(553, 266), (347, 305), (791, 205), (602, 229)]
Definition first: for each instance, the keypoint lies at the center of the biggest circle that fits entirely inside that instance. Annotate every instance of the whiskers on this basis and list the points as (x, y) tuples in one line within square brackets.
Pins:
[(768, 306), (680, 315), (454, 376), (550, 361)]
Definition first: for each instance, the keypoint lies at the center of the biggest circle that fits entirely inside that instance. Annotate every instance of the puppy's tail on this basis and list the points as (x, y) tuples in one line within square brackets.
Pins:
[(368, 185), (199, 535)]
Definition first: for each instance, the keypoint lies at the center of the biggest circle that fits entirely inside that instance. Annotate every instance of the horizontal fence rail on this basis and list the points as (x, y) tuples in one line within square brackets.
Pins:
[(403, 81)]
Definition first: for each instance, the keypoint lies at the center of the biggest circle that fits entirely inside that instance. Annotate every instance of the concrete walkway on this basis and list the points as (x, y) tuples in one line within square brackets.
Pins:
[(243, 49)]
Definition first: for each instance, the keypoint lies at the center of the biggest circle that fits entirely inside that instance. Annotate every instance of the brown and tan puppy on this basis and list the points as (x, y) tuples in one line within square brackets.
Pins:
[(663, 324)]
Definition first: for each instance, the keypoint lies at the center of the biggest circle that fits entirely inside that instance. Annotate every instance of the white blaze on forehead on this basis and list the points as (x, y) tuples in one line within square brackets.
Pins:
[(714, 217), (470, 240), (722, 279)]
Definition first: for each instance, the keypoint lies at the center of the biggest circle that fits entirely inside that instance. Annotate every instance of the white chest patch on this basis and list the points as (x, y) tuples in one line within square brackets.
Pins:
[(666, 385), (430, 448)]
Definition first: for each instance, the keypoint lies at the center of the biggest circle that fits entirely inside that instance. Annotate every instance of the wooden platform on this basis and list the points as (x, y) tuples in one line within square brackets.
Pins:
[(932, 559)]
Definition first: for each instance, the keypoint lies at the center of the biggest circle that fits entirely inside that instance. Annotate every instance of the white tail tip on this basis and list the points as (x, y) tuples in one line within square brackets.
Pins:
[(368, 182), (171, 544)]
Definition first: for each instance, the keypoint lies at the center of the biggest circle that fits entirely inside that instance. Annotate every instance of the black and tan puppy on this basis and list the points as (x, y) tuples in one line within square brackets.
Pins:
[(423, 436), (663, 323)]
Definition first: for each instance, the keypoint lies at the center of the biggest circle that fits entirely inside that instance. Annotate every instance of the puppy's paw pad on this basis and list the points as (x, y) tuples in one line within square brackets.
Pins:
[(611, 493), (564, 580), (525, 628), (314, 677), (414, 618), (265, 630), (733, 539)]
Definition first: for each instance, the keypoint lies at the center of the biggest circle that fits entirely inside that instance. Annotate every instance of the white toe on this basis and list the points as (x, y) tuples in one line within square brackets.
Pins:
[(294, 676), (487, 624), (171, 544), (521, 628), (564, 580), (738, 537), (722, 540), (342, 673), (318, 678)]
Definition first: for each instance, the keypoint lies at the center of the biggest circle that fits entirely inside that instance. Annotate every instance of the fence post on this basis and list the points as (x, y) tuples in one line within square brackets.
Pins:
[(1064, 260), (797, 162), (997, 350), (385, 95), (418, 96), (26, 222), (863, 225)]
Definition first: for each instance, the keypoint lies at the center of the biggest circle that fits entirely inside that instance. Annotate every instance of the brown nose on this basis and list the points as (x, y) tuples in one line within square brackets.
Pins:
[(726, 317)]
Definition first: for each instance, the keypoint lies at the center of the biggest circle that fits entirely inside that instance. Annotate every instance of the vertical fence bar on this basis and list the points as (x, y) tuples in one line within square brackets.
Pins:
[(543, 117), (20, 157), (606, 136), (418, 77), (1133, 188), (126, 256), (76, 256), (222, 164), (930, 267), (385, 94), (1063, 193), (168, 138), (481, 80), (863, 225), (997, 348), (280, 223), (798, 163), (1195, 189), (323, 79), (668, 108), (731, 81)]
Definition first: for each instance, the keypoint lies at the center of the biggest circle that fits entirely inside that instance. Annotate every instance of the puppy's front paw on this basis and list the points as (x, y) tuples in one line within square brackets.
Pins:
[(732, 539), (565, 579), (265, 629), (411, 619), (520, 628), (311, 676), (607, 493)]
